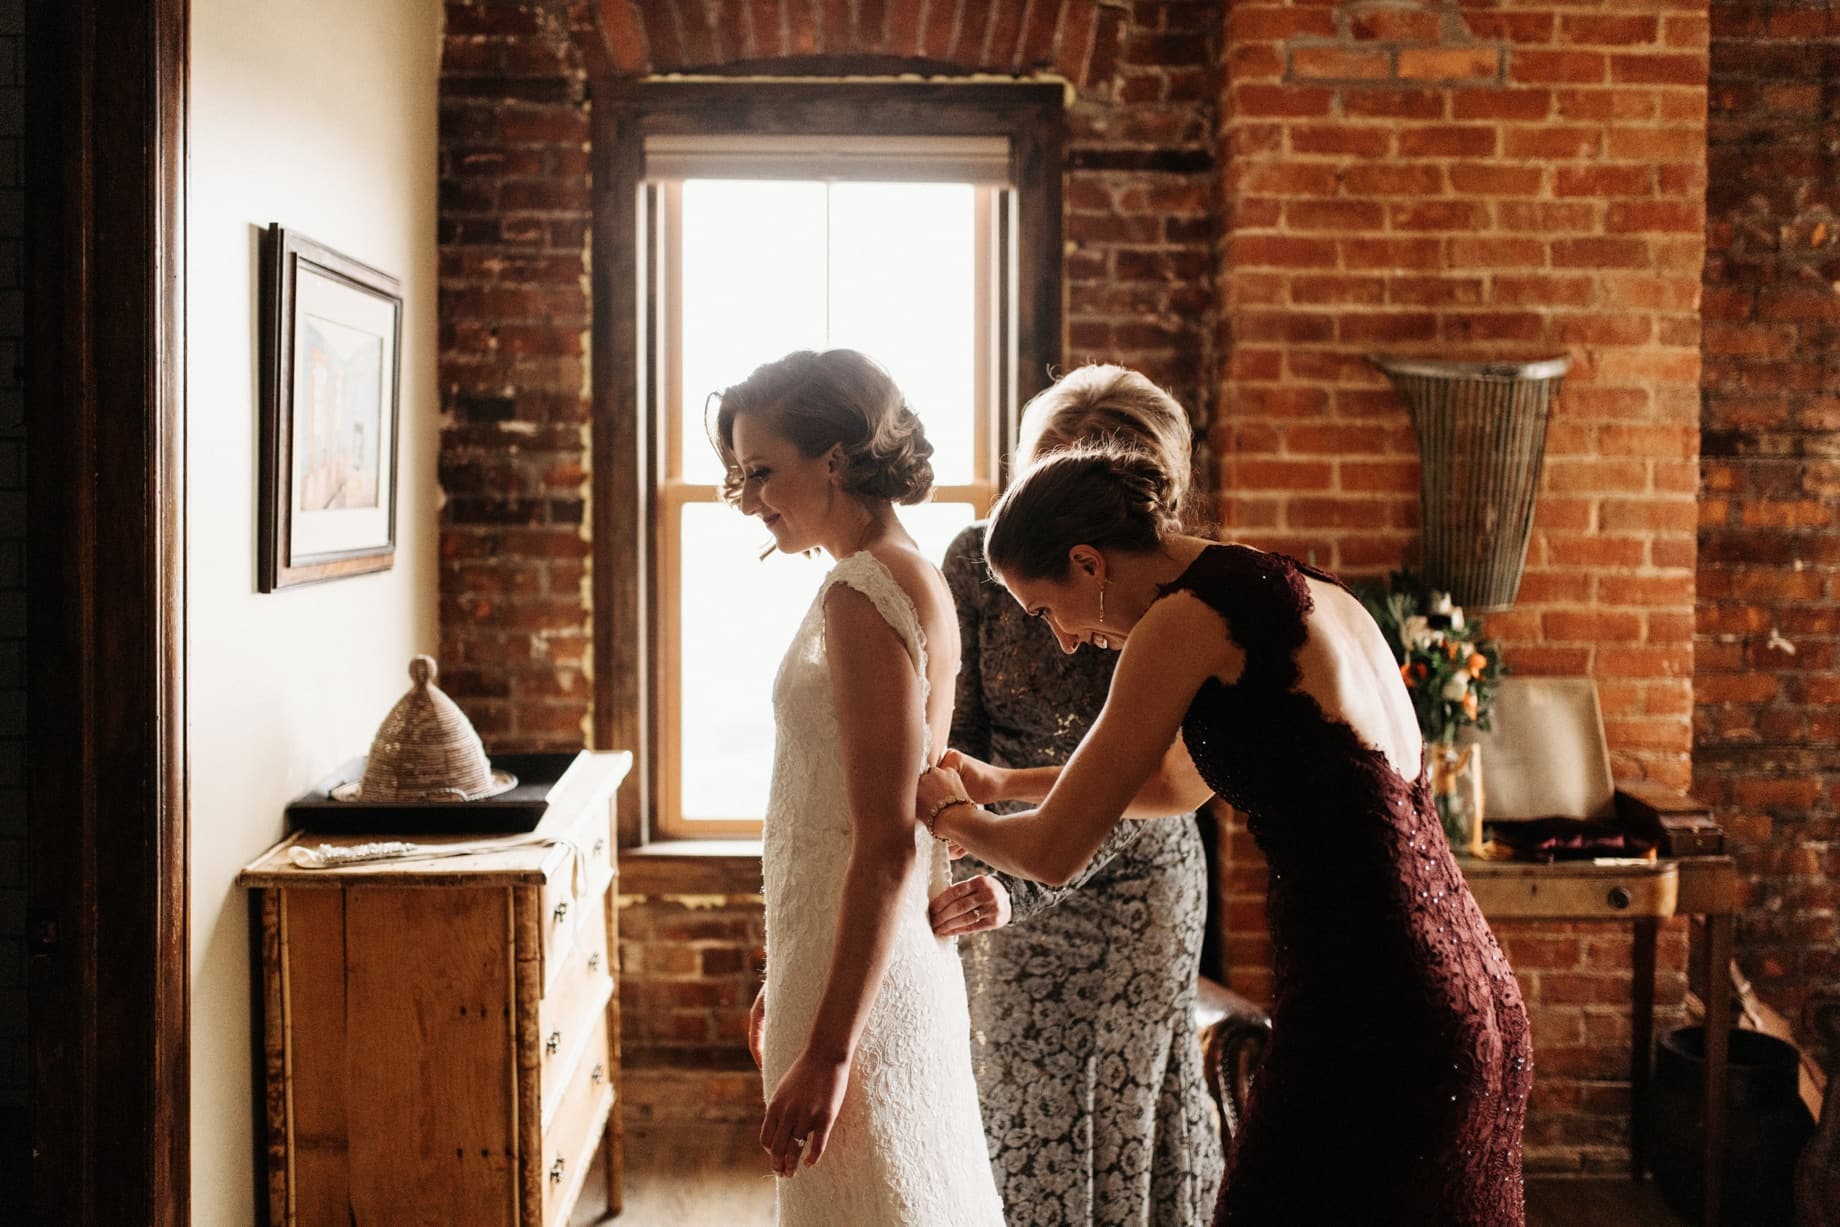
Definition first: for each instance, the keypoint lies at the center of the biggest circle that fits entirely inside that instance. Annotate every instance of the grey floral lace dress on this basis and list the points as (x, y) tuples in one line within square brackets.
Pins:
[(1082, 1008)]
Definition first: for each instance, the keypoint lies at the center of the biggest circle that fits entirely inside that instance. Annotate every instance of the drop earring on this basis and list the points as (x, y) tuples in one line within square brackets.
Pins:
[(1102, 603)]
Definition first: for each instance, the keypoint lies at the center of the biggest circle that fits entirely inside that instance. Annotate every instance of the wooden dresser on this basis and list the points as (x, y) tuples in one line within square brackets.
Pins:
[(441, 1037)]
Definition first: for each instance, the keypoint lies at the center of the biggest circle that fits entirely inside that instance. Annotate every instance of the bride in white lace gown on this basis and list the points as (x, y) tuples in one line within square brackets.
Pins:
[(861, 1029)]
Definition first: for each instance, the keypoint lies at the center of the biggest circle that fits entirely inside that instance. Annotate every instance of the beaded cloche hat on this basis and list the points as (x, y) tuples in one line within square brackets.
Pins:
[(426, 750)]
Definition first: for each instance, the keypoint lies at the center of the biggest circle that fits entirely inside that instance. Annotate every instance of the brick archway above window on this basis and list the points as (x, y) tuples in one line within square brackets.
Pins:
[(1080, 41)]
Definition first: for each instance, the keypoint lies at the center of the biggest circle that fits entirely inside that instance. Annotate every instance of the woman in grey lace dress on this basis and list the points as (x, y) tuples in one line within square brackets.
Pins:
[(1082, 996)]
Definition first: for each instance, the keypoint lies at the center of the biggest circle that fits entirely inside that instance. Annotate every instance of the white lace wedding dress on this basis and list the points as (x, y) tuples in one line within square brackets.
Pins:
[(908, 1147)]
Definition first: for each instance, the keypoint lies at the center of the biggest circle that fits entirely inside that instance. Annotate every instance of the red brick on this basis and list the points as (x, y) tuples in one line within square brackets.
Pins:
[(1600, 253), (1393, 179), (1557, 66), (1449, 140), (1399, 25), (1339, 63), (1604, 181), (1658, 69), (1394, 103), (1522, 104), (1598, 30), (1555, 142), (1483, 179), (1450, 64), (1341, 216), (1353, 140), (1282, 101)]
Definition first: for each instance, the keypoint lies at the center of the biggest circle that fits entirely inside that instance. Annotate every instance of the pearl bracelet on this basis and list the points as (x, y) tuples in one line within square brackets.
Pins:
[(941, 806)]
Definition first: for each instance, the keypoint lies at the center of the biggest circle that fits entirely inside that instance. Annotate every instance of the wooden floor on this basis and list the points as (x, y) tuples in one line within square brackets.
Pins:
[(716, 1175)]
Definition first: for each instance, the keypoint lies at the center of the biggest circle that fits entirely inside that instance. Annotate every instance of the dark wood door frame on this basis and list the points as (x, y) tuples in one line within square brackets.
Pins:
[(106, 831)]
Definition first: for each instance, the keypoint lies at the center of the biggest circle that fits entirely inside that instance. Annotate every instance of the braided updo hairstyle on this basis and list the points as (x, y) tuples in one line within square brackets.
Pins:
[(1100, 495), (819, 400)]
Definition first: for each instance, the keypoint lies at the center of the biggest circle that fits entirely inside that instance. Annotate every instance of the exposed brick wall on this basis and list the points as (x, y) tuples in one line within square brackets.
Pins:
[(515, 397), (1458, 180), (1423, 177), (689, 967), (1766, 733)]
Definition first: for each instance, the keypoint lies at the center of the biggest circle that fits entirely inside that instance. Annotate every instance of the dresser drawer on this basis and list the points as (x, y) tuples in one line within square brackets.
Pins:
[(567, 898), (577, 998), (570, 1137)]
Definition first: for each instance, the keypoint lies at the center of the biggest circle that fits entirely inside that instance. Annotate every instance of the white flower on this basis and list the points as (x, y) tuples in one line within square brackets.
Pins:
[(1417, 633), (1440, 603), (1455, 688), (1456, 617)]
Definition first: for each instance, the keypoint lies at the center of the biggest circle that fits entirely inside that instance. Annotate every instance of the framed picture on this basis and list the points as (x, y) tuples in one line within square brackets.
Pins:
[(331, 386)]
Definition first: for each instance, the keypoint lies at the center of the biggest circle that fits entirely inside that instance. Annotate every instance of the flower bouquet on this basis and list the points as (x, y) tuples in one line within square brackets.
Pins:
[(1451, 671)]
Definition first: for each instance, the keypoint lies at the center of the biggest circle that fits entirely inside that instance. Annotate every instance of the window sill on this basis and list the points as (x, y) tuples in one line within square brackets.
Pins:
[(692, 867)]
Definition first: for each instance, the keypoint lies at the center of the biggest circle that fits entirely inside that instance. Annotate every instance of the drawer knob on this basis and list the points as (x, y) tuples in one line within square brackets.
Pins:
[(561, 913), (553, 1044), (599, 1075), (594, 961), (556, 1170), (1619, 897)]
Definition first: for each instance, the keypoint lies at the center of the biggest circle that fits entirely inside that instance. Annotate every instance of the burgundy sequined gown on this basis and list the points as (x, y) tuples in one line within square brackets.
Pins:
[(1395, 1084)]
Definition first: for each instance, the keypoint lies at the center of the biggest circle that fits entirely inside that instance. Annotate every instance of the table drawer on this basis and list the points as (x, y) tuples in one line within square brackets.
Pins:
[(1585, 890), (581, 1117)]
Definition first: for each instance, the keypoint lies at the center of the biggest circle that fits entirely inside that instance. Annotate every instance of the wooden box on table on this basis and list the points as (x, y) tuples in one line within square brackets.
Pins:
[(441, 1036)]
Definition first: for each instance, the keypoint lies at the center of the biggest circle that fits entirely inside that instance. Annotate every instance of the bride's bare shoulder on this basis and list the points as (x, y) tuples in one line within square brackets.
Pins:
[(925, 587)]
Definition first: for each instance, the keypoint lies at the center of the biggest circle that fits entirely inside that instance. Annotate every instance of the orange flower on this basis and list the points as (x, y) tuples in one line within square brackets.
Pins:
[(1452, 649), (1469, 705), (1477, 663), (1405, 674)]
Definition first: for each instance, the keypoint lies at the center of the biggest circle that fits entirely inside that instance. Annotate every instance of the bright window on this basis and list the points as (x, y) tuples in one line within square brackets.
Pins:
[(746, 270)]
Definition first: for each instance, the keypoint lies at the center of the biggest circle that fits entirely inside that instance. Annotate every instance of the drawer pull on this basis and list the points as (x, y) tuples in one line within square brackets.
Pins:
[(553, 1044), (556, 1170), (561, 913), (599, 1074), (594, 961), (1619, 897)]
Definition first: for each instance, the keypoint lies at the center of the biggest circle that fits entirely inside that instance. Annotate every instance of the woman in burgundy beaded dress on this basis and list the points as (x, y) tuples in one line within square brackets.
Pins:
[(1396, 1081)]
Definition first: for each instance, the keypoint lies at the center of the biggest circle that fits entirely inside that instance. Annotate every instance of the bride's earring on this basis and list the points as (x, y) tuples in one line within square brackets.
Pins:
[(1102, 603)]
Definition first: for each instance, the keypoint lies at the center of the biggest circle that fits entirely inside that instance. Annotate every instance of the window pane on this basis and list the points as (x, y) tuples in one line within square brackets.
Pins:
[(933, 525), (736, 617), (753, 289), (903, 290), (728, 662)]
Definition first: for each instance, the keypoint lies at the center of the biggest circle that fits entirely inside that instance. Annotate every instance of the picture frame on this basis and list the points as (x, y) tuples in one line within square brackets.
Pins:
[(331, 402)]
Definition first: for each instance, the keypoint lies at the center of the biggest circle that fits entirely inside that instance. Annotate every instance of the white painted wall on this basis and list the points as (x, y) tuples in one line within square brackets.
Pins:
[(320, 115)]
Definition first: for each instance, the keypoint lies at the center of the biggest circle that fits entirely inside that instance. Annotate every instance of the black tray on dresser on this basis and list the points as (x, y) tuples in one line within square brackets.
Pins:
[(514, 810)]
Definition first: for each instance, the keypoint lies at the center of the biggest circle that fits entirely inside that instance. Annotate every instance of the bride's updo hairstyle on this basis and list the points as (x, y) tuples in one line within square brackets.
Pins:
[(1114, 405), (1108, 497), (819, 400)]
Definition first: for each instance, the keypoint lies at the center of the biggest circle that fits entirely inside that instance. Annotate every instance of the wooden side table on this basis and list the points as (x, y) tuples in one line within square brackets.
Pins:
[(1641, 895), (441, 1037)]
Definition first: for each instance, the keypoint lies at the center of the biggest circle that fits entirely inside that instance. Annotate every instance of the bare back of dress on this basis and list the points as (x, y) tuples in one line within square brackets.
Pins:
[(908, 1147)]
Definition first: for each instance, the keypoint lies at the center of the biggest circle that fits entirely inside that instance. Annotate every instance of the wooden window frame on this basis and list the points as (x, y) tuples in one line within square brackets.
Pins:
[(626, 461)]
